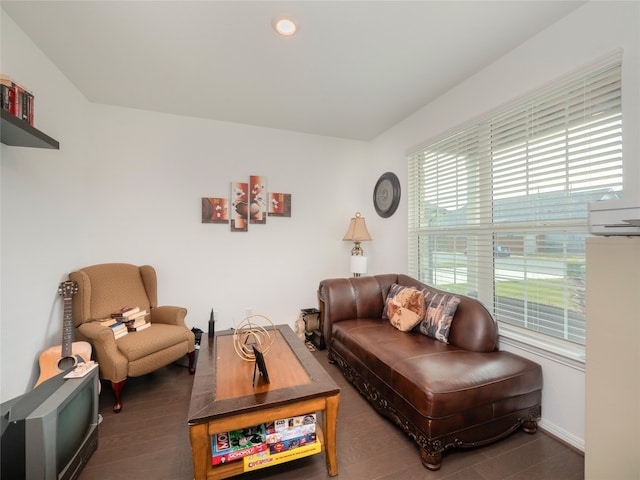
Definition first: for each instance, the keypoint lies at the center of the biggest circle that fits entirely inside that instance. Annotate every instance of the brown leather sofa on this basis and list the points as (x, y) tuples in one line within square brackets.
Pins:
[(463, 393)]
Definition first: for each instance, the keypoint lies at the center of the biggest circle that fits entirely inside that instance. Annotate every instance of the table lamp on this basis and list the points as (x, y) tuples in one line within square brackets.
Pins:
[(356, 233)]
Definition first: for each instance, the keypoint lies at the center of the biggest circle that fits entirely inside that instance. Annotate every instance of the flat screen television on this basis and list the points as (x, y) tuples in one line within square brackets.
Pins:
[(50, 432)]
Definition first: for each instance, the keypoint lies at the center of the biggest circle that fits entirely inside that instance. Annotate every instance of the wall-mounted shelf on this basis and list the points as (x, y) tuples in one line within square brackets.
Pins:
[(18, 133)]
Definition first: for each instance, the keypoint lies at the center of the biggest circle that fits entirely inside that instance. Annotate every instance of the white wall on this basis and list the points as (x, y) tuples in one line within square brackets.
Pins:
[(592, 31), (126, 186)]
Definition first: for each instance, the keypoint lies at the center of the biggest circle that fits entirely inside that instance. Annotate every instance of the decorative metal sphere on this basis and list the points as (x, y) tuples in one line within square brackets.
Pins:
[(249, 333)]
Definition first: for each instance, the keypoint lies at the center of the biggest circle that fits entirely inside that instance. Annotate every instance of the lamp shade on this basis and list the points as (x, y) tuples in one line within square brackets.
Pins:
[(357, 231)]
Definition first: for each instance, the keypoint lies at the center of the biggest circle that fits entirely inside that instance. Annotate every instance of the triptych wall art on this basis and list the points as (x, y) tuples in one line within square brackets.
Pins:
[(247, 203)]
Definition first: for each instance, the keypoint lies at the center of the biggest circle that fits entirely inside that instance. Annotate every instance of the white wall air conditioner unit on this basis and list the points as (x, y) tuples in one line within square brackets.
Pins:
[(614, 217)]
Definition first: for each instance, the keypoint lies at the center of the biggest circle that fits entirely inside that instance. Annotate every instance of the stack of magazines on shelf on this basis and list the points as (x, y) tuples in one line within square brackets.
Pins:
[(16, 99), (267, 444)]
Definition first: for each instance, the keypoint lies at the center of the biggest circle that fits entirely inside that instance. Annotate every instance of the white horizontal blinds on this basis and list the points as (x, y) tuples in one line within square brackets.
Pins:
[(413, 209), (545, 293), (448, 199), (498, 210), (558, 152), (550, 157)]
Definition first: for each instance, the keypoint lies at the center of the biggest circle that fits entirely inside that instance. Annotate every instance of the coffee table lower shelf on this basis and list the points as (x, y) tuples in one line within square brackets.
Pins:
[(200, 435), (236, 467)]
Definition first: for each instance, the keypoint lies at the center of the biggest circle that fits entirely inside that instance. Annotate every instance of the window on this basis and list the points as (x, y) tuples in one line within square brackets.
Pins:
[(499, 209)]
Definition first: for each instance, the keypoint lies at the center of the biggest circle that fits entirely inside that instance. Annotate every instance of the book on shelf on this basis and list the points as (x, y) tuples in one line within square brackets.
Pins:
[(291, 443), (5, 85), (236, 444), (285, 424), (265, 459), (299, 431), (16, 99)]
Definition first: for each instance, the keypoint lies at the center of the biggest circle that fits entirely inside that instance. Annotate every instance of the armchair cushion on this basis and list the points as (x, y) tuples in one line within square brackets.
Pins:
[(157, 337)]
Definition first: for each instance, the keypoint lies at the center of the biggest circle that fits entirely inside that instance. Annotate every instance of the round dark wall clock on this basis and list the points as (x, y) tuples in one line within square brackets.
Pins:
[(386, 194)]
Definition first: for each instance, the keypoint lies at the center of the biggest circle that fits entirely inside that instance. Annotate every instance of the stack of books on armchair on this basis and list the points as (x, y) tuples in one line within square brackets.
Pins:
[(118, 328), (133, 319)]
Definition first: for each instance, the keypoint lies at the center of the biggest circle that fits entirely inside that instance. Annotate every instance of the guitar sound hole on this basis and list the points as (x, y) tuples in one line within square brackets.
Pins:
[(66, 363)]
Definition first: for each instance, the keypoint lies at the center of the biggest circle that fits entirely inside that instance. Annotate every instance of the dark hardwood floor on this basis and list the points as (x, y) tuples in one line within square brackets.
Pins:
[(149, 439)]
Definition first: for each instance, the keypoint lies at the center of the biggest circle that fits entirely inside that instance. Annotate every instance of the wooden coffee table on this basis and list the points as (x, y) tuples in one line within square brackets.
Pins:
[(224, 397)]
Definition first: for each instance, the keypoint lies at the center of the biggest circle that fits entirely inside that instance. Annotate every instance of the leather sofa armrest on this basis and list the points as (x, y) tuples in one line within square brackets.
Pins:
[(336, 302), (352, 298)]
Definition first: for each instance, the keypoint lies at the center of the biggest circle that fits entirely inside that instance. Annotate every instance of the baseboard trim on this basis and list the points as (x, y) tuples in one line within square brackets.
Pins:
[(562, 435)]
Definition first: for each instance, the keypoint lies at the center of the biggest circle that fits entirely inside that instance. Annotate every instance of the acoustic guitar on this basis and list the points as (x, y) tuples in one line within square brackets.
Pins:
[(58, 359)]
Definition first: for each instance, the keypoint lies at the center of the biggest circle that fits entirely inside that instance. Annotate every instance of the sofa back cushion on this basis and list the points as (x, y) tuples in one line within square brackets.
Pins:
[(472, 328)]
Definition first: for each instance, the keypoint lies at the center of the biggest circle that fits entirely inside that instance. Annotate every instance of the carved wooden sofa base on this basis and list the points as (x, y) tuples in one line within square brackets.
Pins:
[(431, 449)]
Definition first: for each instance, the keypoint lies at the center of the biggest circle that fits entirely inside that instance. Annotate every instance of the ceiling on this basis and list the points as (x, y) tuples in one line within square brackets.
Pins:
[(353, 69)]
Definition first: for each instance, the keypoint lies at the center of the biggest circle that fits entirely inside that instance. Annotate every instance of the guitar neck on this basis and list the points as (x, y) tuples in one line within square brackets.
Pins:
[(67, 290), (67, 328)]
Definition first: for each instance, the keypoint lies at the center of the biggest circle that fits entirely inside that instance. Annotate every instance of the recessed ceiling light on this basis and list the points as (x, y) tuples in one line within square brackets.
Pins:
[(285, 26)]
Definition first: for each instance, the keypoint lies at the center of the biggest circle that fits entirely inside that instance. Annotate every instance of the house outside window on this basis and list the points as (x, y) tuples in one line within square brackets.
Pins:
[(498, 210)]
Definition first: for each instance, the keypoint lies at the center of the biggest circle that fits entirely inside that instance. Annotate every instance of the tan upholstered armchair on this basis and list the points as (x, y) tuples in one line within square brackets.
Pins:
[(105, 288)]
